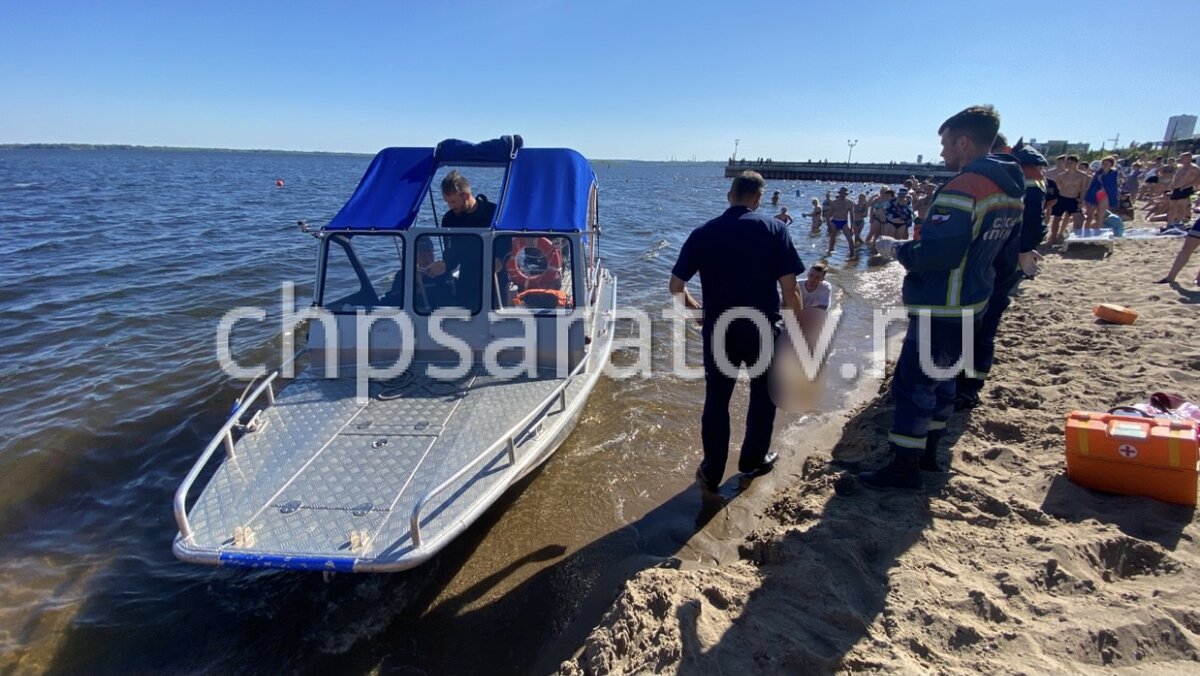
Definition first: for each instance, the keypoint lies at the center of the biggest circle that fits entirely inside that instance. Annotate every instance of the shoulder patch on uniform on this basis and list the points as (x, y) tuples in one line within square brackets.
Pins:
[(977, 186)]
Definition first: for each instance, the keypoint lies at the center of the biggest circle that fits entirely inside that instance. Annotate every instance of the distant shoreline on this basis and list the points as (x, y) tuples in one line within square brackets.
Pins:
[(122, 146)]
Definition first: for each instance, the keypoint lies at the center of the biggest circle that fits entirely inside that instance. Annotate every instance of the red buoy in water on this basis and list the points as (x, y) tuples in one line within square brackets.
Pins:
[(279, 183)]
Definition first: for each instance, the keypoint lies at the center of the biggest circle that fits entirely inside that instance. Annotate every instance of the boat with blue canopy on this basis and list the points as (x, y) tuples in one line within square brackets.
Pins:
[(442, 365)]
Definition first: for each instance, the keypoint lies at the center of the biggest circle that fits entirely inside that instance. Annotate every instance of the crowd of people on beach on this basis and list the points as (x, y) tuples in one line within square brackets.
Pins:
[(965, 246)]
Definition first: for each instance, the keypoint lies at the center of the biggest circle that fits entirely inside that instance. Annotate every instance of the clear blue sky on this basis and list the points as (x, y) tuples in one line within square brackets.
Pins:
[(612, 78)]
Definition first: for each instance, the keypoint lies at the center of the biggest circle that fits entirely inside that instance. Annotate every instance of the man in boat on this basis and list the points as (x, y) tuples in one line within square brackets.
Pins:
[(741, 256), (464, 254), (435, 286), (465, 210), (949, 278)]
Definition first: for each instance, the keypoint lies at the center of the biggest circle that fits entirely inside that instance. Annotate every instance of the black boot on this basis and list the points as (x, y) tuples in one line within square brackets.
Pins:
[(901, 473), (966, 395), (929, 459)]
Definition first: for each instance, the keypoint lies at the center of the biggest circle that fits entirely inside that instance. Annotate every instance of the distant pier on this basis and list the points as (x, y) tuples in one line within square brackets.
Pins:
[(893, 172)]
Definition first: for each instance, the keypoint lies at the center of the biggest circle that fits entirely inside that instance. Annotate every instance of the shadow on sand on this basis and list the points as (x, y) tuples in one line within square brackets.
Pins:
[(1141, 518), (838, 548)]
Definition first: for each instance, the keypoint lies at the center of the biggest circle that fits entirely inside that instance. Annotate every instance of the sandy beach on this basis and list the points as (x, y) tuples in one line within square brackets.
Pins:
[(1002, 565)]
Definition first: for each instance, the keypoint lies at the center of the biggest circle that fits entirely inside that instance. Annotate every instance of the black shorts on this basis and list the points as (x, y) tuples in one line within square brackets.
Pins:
[(1065, 205), (1152, 179), (1194, 231), (1182, 193)]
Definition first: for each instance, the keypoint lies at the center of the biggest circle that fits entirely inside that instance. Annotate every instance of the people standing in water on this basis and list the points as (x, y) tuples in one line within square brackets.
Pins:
[(898, 218), (720, 251), (816, 215), (948, 280), (775, 198), (839, 222), (784, 216), (879, 205), (858, 217)]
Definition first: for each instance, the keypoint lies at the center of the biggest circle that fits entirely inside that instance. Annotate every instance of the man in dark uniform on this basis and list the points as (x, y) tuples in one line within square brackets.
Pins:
[(948, 281), (741, 257), (1010, 270)]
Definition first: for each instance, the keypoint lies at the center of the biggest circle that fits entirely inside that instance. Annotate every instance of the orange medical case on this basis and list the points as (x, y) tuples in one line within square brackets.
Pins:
[(1153, 457)]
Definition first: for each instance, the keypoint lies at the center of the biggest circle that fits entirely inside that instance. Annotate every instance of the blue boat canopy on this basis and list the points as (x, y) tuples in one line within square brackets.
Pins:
[(548, 189), (544, 189), (389, 195)]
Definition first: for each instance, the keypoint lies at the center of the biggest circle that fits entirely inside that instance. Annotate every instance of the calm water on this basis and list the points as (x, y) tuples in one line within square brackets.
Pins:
[(116, 268)]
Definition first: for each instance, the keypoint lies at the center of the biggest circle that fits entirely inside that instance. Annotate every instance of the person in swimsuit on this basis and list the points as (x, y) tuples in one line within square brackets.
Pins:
[(879, 213), (775, 198), (858, 216), (1071, 184), (784, 216), (1183, 186), (899, 216), (839, 221), (816, 215)]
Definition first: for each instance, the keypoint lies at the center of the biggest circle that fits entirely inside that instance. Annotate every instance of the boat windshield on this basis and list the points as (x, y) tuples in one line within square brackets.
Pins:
[(449, 272), (363, 271)]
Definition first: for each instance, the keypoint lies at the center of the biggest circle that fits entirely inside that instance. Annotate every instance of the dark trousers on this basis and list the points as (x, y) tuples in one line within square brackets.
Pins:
[(924, 403), (742, 348), (985, 334)]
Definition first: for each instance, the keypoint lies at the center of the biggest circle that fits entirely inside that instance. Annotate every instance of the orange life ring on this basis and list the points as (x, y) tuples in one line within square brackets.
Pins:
[(547, 278)]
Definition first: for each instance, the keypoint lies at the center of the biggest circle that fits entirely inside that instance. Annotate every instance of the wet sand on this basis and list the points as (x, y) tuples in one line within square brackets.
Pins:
[(1002, 565)]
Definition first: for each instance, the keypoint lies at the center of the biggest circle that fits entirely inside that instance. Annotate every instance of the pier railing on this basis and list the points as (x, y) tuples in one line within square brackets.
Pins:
[(872, 172)]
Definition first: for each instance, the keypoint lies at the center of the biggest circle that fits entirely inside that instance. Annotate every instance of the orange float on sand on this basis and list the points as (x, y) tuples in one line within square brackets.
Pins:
[(1116, 314)]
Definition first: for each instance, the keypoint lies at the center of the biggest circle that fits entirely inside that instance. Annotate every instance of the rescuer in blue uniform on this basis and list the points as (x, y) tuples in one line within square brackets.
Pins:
[(948, 281), (1009, 273), (741, 256)]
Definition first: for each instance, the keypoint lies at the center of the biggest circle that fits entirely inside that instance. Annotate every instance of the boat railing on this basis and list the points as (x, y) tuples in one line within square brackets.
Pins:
[(225, 435), (509, 439)]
